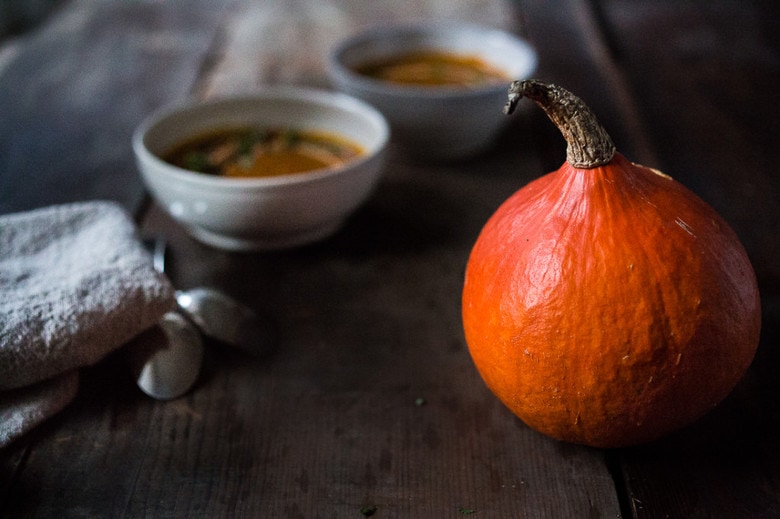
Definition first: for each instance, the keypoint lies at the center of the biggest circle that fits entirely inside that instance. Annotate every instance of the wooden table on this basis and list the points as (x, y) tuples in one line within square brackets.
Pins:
[(331, 425)]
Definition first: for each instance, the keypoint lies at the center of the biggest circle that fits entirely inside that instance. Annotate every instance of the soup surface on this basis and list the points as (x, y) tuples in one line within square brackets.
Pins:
[(253, 152), (434, 68)]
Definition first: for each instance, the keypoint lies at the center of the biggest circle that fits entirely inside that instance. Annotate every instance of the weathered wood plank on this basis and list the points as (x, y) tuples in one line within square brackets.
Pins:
[(72, 92), (287, 42)]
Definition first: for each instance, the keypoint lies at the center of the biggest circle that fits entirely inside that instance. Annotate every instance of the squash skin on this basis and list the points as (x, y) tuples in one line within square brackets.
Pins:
[(609, 306)]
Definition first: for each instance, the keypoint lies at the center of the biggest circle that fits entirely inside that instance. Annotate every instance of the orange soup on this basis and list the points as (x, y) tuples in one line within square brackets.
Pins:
[(252, 152), (435, 68)]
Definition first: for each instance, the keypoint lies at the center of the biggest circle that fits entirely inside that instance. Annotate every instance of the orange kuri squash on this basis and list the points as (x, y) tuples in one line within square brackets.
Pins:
[(605, 303)]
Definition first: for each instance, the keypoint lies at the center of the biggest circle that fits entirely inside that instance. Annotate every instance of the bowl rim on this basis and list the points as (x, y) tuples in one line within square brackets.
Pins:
[(332, 99), (337, 67)]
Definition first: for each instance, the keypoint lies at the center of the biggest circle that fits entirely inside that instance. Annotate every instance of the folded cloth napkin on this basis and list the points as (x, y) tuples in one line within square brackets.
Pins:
[(75, 285), (24, 408)]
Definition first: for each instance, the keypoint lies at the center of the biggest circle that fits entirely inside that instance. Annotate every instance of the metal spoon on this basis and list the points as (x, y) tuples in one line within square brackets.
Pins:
[(220, 317), (166, 360)]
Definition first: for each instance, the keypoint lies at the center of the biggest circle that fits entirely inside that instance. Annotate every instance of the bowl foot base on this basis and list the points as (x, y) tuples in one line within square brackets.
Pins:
[(263, 243)]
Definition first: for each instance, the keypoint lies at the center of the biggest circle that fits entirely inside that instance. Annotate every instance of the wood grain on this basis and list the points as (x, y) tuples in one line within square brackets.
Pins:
[(72, 93), (288, 42)]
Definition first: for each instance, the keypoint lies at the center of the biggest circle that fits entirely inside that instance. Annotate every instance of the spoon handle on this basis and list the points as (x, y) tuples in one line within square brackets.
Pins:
[(157, 246)]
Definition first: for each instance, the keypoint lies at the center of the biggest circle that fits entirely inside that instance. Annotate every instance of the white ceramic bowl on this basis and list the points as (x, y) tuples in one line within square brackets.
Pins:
[(435, 122), (269, 212)]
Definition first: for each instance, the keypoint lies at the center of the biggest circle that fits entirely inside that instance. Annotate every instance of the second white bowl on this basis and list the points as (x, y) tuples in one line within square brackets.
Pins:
[(435, 122)]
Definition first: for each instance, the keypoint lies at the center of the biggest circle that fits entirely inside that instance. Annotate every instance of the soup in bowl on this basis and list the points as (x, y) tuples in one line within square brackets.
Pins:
[(280, 168), (442, 87), (245, 152), (432, 68)]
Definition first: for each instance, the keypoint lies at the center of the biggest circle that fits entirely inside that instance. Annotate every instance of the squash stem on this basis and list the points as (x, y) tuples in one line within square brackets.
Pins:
[(588, 144)]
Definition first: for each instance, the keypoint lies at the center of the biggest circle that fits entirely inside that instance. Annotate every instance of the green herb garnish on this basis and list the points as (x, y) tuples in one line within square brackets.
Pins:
[(197, 161), (248, 140), (291, 138)]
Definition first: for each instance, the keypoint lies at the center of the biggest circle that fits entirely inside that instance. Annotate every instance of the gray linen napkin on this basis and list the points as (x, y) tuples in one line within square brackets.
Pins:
[(75, 285)]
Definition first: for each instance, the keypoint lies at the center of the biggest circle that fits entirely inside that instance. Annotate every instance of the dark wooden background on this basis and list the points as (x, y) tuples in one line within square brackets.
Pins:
[(369, 320)]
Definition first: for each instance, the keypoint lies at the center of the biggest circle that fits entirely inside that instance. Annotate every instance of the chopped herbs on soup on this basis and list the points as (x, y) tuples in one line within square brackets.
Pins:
[(434, 68), (252, 152)]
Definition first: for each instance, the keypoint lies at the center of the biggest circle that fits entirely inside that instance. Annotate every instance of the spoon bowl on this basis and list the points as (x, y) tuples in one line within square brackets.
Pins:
[(167, 359), (226, 320)]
